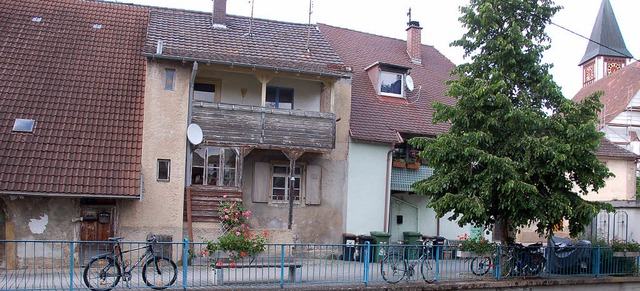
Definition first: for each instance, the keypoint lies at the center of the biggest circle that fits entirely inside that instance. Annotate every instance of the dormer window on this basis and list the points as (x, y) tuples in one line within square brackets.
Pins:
[(389, 79)]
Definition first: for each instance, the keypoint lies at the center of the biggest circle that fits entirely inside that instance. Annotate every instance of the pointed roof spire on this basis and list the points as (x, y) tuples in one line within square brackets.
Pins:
[(606, 37)]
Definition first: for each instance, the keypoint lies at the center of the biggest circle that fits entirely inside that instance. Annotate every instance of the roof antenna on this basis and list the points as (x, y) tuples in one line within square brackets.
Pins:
[(309, 27), (250, 21)]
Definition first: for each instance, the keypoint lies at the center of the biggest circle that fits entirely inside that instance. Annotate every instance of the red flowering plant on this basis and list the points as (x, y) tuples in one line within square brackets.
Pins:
[(237, 239), (477, 245), (619, 245)]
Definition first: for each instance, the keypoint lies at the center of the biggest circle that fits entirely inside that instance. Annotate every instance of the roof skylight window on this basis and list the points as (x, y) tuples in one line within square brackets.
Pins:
[(36, 19), (23, 125)]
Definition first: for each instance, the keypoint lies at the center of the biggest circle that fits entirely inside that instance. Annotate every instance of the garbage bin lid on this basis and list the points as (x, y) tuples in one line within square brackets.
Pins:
[(350, 235), (412, 233), (380, 233), (366, 237)]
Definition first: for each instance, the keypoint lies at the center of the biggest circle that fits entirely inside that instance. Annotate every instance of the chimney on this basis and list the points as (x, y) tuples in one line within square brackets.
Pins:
[(414, 42), (219, 14)]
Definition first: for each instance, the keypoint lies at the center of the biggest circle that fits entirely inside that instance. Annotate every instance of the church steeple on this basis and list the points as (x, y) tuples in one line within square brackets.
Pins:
[(607, 52)]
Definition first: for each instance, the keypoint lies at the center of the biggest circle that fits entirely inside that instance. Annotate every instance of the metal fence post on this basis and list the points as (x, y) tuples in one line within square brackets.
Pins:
[(367, 251), (282, 266), (185, 262), (596, 267), (71, 263), (498, 261)]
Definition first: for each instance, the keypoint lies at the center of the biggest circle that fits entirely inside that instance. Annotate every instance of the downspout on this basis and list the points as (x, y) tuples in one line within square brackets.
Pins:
[(187, 180), (387, 190)]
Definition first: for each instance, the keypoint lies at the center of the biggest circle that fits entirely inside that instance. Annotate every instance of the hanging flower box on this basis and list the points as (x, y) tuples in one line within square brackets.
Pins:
[(466, 254), (626, 254), (414, 166), (398, 163)]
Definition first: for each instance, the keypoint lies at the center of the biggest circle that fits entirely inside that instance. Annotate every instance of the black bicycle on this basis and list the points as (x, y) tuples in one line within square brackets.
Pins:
[(403, 260), (104, 271)]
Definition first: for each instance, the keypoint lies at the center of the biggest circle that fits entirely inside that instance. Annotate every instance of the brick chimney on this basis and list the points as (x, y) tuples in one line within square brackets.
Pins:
[(414, 41), (219, 14)]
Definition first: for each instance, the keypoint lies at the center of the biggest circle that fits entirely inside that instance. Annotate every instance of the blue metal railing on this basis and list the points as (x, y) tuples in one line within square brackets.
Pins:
[(59, 265)]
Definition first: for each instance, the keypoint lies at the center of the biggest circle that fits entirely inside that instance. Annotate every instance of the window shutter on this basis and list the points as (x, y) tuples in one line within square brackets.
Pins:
[(261, 175), (312, 185)]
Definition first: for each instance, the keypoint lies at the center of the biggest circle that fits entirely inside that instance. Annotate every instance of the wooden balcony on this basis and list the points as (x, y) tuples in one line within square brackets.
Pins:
[(242, 125)]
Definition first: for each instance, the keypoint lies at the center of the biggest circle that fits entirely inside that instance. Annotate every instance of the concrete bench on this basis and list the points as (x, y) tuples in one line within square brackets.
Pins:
[(260, 262)]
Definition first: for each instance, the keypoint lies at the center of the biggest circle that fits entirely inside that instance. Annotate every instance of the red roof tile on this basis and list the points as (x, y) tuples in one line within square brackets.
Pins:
[(619, 89), (83, 86), (381, 119), (273, 44), (609, 149)]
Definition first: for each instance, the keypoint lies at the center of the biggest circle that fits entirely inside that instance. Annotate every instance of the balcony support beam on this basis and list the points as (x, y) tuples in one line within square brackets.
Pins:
[(264, 78)]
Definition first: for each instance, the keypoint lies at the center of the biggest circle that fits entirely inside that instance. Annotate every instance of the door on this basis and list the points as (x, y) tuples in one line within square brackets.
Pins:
[(404, 217), (97, 227)]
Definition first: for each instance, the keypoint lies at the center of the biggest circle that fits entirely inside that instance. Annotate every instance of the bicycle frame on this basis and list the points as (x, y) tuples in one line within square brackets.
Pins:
[(119, 256)]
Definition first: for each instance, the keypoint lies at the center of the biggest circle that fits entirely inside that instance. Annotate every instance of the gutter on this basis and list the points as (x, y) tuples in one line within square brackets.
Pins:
[(251, 66)]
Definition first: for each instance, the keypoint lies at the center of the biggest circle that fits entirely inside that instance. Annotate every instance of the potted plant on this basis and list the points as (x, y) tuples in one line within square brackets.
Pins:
[(398, 163), (237, 240), (413, 163), (625, 248), (476, 246)]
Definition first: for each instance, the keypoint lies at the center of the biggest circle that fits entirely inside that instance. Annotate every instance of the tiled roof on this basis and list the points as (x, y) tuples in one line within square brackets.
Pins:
[(77, 70), (273, 44), (609, 149), (381, 119), (619, 89)]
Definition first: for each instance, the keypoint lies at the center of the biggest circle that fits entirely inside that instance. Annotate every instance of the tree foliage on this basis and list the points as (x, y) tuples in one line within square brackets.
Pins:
[(516, 147)]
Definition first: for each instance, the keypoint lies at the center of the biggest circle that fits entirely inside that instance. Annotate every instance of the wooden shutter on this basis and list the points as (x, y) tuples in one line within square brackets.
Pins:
[(261, 174), (312, 185)]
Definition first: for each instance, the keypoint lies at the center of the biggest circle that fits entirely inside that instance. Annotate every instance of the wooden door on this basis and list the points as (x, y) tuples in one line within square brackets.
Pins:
[(97, 227)]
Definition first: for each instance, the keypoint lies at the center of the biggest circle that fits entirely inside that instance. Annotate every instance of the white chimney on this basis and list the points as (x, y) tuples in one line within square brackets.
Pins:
[(414, 41), (219, 14)]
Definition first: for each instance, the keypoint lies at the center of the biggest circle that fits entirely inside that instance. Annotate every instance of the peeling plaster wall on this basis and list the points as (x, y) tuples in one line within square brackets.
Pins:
[(42, 218), (164, 137)]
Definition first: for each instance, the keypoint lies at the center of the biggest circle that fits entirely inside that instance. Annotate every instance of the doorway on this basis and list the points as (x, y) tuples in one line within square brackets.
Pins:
[(96, 228), (404, 217)]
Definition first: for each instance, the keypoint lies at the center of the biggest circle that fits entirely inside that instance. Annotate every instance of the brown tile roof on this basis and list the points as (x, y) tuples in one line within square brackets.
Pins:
[(380, 120), (609, 149), (83, 86), (188, 35), (619, 88)]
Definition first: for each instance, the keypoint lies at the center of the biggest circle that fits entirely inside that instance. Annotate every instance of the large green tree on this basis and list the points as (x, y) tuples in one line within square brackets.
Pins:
[(516, 147)]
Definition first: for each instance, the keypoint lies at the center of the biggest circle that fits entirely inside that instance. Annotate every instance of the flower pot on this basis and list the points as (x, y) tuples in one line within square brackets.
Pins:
[(413, 166), (626, 254), (465, 254), (398, 164)]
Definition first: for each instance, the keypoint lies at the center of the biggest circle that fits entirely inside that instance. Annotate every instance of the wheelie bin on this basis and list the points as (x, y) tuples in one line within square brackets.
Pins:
[(381, 239)]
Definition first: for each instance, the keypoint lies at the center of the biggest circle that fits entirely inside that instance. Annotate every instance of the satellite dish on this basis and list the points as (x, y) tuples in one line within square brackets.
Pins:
[(409, 82), (194, 134)]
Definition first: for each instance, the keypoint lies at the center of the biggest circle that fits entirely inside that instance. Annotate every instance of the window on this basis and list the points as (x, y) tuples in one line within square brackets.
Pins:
[(214, 166), (280, 183), (23, 125), (391, 84), (278, 97), (207, 90), (164, 168), (169, 79)]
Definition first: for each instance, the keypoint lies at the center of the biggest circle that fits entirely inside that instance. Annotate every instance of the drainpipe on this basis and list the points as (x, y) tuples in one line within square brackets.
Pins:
[(387, 190), (187, 180)]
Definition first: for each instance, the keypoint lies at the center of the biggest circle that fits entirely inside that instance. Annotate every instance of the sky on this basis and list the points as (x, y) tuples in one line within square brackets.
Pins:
[(439, 19)]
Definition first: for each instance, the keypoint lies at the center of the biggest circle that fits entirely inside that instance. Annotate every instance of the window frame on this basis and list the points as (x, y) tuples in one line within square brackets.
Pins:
[(276, 104), (169, 75), (300, 177), (382, 72), (217, 89), (159, 162), (221, 167), (23, 125)]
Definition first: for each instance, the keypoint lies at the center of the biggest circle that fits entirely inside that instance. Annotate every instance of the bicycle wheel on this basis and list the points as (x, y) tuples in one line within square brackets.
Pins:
[(480, 265), (428, 268), (507, 265), (102, 273), (159, 272), (393, 268)]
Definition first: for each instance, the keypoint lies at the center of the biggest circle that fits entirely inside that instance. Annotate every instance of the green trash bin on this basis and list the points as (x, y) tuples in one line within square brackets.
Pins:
[(412, 237), (380, 239)]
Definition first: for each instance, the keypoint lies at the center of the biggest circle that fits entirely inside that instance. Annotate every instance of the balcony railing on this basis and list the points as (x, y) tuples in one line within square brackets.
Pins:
[(402, 178), (265, 127)]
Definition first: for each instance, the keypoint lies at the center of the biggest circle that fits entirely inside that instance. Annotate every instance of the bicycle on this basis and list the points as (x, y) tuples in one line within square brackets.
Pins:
[(396, 265), (524, 260), (105, 270), (480, 266)]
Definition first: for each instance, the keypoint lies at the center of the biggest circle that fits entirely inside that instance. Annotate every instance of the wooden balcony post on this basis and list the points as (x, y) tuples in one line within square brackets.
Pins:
[(264, 78)]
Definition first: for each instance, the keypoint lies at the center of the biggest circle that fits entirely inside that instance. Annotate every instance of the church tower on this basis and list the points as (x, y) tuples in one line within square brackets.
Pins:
[(606, 52)]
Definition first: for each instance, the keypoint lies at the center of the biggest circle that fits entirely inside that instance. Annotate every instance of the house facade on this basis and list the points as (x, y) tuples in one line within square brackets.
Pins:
[(394, 84)]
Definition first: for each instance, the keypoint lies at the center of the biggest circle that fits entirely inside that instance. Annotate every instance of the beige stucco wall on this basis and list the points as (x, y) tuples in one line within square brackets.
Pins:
[(620, 187), (160, 210)]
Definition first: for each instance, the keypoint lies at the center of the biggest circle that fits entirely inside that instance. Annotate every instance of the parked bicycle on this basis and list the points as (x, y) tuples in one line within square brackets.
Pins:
[(404, 261), (523, 260), (105, 270), (480, 266)]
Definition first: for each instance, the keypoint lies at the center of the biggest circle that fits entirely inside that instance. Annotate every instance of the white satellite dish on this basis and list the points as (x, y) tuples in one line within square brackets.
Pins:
[(409, 82), (194, 134)]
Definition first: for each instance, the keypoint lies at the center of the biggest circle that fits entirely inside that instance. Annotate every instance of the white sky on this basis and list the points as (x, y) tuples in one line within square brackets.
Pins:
[(439, 18)]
